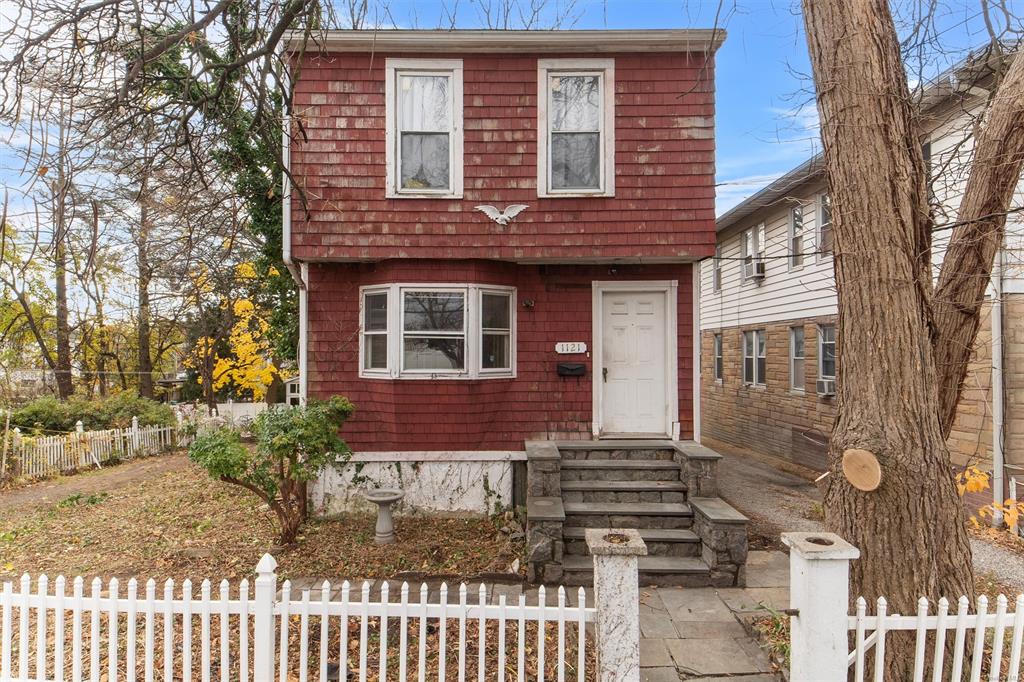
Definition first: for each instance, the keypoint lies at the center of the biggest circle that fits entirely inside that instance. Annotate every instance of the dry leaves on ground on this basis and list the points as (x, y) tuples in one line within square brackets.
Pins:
[(181, 524)]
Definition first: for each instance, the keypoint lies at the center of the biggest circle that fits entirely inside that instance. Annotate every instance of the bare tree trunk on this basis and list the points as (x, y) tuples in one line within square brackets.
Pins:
[(60, 258), (967, 265), (911, 529), (103, 349), (145, 274)]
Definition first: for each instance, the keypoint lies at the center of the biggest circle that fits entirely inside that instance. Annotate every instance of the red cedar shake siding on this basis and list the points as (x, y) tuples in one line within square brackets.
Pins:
[(664, 166), (661, 217), (487, 414)]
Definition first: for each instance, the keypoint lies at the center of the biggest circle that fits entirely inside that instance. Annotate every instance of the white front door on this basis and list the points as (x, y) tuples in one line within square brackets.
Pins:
[(635, 373)]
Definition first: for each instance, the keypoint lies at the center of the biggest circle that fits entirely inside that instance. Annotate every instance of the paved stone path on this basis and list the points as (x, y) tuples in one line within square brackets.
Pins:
[(696, 634)]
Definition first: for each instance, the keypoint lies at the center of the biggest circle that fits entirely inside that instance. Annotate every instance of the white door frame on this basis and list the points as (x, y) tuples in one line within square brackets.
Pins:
[(670, 288)]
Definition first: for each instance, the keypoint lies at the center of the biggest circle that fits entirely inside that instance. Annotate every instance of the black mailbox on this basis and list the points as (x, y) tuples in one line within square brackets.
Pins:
[(572, 369)]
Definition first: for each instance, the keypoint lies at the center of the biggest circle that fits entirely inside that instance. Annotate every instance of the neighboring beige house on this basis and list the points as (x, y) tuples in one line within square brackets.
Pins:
[(768, 307)]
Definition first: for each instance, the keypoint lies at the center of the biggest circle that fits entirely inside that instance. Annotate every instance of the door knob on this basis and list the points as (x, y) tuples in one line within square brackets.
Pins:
[(604, 374)]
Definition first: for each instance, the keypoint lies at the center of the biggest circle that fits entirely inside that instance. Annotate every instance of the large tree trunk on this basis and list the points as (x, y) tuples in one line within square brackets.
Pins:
[(911, 529), (967, 265)]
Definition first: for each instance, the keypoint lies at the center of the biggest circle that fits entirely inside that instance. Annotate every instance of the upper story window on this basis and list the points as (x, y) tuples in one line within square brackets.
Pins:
[(752, 247), (796, 237), (825, 224), (576, 127), (716, 270), (447, 331), (424, 127)]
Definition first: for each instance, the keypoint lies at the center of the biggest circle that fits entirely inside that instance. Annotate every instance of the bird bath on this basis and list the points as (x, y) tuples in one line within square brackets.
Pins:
[(384, 498)]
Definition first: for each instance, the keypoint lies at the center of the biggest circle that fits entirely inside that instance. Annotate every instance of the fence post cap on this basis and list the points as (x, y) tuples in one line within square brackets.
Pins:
[(820, 546), (266, 565), (615, 542)]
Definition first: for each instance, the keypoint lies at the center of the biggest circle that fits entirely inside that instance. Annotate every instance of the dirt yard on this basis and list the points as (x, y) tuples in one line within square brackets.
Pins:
[(164, 517)]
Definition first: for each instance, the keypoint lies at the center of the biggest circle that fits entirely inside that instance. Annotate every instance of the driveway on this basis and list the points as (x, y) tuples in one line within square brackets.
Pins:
[(778, 501), (51, 491)]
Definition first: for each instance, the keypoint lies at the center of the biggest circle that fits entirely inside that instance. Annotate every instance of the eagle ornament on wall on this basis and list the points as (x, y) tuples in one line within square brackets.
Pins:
[(503, 218)]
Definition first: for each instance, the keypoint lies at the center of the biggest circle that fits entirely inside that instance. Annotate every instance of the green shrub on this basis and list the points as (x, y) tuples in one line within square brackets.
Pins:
[(50, 414), (292, 445)]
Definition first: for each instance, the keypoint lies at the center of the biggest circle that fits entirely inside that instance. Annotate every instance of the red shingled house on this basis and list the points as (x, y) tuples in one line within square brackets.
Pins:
[(563, 309)]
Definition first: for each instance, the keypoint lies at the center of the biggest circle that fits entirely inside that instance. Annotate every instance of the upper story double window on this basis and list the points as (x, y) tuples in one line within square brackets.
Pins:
[(424, 127), (575, 127)]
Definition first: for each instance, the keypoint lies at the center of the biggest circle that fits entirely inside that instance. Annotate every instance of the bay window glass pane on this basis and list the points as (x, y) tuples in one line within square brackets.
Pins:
[(425, 160), (375, 312), (575, 160), (434, 353), (424, 103), (434, 311), (495, 313), (575, 103), (375, 351), (495, 351)]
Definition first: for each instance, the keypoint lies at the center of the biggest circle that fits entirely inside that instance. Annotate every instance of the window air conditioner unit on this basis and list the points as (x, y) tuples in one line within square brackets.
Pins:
[(826, 386), (753, 270)]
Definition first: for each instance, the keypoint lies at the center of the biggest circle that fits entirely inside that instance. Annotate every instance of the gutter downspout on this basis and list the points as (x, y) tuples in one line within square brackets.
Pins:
[(998, 456), (300, 272)]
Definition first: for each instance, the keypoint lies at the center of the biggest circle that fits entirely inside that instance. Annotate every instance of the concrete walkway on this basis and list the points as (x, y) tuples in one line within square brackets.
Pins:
[(698, 633)]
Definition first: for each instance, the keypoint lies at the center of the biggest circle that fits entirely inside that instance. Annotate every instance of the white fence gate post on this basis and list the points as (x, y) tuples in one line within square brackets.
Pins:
[(135, 436), (819, 575), (263, 621), (616, 555)]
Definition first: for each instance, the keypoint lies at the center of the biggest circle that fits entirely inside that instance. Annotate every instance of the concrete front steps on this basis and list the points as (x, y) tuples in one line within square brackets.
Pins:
[(630, 484)]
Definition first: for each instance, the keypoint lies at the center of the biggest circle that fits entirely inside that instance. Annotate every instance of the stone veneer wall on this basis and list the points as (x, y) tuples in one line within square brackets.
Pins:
[(778, 421)]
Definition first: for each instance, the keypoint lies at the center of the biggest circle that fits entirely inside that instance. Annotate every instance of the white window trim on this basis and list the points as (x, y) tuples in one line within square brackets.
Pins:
[(606, 68), (472, 330), (756, 380), (452, 67), (819, 243), (716, 271), (821, 355), (799, 208), (759, 239), (792, 360)]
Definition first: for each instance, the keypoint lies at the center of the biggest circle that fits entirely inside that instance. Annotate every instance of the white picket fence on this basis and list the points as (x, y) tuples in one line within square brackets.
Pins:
[(49, 455), (982, 645), (326, 632)]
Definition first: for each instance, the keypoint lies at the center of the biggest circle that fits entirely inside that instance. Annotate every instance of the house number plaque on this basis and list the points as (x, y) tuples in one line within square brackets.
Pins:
[(570, 347)]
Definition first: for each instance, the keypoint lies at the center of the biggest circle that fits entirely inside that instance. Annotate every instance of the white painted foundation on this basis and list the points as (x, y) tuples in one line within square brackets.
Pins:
[(448, 482)]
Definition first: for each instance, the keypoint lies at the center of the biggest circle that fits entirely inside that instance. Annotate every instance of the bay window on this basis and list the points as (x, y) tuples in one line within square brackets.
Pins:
[(424, 127), (443, 331), (576, 127), (826, 351)]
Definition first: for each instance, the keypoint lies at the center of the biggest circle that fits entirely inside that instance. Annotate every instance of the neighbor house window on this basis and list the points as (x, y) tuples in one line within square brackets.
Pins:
[(424, 127), (796, 237), (752, 248), (719, 364), (716, 272), (826, 351), (796, 358), (825, 224), (576, 127), (754, 363), (452, 331)]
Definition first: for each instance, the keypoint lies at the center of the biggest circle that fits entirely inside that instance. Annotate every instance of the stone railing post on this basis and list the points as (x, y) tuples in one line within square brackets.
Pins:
[(819, 574), (263, 621), (699, 469), (616, 555)]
